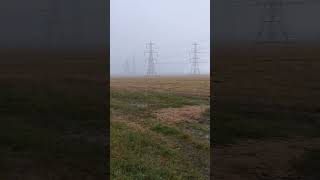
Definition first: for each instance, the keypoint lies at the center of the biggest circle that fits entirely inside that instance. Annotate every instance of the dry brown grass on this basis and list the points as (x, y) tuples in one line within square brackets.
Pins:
[(264, 83), (46, 98), (284, 76), (188, 85), (180, 115)]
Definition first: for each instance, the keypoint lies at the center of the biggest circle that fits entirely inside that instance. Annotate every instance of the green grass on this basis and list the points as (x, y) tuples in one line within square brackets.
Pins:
[(166, 130), (158, 151), (142, 156), (135, 101)]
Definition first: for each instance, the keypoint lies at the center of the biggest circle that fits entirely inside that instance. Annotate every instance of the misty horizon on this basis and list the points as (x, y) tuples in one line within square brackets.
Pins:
[(243, 20), (173, 26)]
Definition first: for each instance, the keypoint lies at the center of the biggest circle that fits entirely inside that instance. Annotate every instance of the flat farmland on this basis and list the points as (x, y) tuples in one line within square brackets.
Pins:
[(160, 127), (266, 109), (53, 121), (188, 85)]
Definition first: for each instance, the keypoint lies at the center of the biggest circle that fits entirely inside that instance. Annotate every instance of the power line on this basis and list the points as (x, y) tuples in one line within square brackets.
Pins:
[(172, 63)]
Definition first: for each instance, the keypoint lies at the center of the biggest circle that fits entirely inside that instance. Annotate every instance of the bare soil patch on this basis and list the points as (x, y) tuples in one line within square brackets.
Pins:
[(129, 121), (179, 115)]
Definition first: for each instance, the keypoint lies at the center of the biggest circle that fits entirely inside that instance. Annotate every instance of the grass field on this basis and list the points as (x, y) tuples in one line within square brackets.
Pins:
[(160, 128), (53, 121), (266, 118), (266, 113)]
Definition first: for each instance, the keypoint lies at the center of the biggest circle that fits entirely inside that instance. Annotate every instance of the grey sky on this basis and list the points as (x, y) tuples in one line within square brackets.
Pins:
[(242, 22), (173, 25), (53, 24)]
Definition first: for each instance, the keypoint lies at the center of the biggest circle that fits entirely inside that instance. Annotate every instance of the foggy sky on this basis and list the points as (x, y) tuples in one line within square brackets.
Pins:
[(53, 24), (241, 23), (173, 25)]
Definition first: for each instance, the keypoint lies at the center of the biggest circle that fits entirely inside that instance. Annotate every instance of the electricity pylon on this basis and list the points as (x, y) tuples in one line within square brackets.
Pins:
[(195, 60), (126, 67), (151, 61), (53, 22), (272, 28), (133, 63)]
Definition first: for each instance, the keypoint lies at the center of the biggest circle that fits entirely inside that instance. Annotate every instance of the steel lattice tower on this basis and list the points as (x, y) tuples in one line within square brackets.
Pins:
[(272, 25), (195, 60), (133, 70), (126, 67), (151, 61), (272, 29), (53, 22), (51, 12)]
